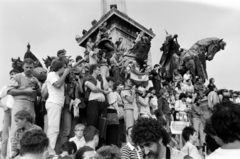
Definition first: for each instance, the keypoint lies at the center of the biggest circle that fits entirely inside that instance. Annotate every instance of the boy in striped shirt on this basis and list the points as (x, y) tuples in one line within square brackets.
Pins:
[(130, 151)]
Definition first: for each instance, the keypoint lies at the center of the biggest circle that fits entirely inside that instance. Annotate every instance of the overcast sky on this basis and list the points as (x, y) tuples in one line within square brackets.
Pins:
[(52, 25)]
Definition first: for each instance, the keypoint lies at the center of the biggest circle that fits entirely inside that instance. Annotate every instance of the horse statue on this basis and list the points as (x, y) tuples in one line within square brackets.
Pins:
[(17, 64), (48, 60), (139, 51), (30, 55), (193, 59), (39, 72), (170, 56)]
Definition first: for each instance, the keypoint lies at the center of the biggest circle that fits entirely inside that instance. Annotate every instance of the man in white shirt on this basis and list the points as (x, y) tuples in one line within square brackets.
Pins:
[(9, 101), (55, 85), (190, 136), (226, 123)]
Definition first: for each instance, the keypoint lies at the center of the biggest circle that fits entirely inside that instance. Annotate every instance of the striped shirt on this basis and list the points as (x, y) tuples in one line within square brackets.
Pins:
[(130, 152)]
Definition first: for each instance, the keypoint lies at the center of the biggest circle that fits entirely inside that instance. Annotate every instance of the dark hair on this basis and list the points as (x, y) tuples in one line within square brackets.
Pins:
[(226, 121), (110, 79), (81, 151), (128, 129), (156, 65), (60, 52), (23, 114), (182, 95), (92, 68), (34, 141), (149, 130), (70, 147), (210, 80), (78, 58), (108, 152), (89, 133), (28, 61), (57, 65), (212, 145), (187, 132), (14, 71), (208, 129), (151, 89)]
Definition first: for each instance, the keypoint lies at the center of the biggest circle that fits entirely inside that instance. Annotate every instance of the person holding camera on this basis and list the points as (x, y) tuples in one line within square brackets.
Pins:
[(143, 102), (54, 104), (128, 95)]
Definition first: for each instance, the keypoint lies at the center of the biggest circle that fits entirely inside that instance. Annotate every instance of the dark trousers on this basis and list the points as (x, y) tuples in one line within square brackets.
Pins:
[(112, 131), (96, 109), (156, 85), (121, 134)]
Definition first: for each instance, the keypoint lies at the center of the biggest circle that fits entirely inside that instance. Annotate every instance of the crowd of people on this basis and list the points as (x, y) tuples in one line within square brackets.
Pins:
[(89, 109)]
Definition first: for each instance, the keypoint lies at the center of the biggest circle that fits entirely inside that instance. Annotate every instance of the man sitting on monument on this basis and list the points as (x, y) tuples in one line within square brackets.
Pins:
[(103, 32)]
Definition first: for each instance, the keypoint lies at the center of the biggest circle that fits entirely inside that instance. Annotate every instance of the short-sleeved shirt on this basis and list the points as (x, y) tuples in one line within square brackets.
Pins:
[(7, 99), (124, 94), (79, 143), (56, 95), (20, 81), (130, 152), (92, 58), (93, 95)]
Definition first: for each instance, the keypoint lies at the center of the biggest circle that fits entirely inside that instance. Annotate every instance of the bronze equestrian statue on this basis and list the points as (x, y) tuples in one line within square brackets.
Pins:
[(193, 59)]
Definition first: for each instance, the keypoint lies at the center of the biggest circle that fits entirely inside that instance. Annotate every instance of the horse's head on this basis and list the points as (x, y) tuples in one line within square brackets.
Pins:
[(214, 48), (48, 61), (17, 62)]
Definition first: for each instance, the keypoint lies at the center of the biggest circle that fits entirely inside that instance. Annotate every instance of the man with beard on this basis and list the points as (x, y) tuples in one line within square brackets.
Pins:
[(153, 139)]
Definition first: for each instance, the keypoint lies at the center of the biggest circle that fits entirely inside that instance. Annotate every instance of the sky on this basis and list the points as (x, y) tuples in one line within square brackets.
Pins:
[(51, 25)]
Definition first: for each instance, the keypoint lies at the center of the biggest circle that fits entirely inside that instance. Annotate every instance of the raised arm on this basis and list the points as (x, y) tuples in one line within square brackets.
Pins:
[(60, 82)]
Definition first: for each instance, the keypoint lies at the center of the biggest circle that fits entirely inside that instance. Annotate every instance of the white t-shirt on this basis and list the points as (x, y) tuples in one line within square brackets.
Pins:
[(191, 150), (6, 99), (95, 96), (79, 143), (225, 153), (56, 95), (186, 76), (92, 58), (180, 106)]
